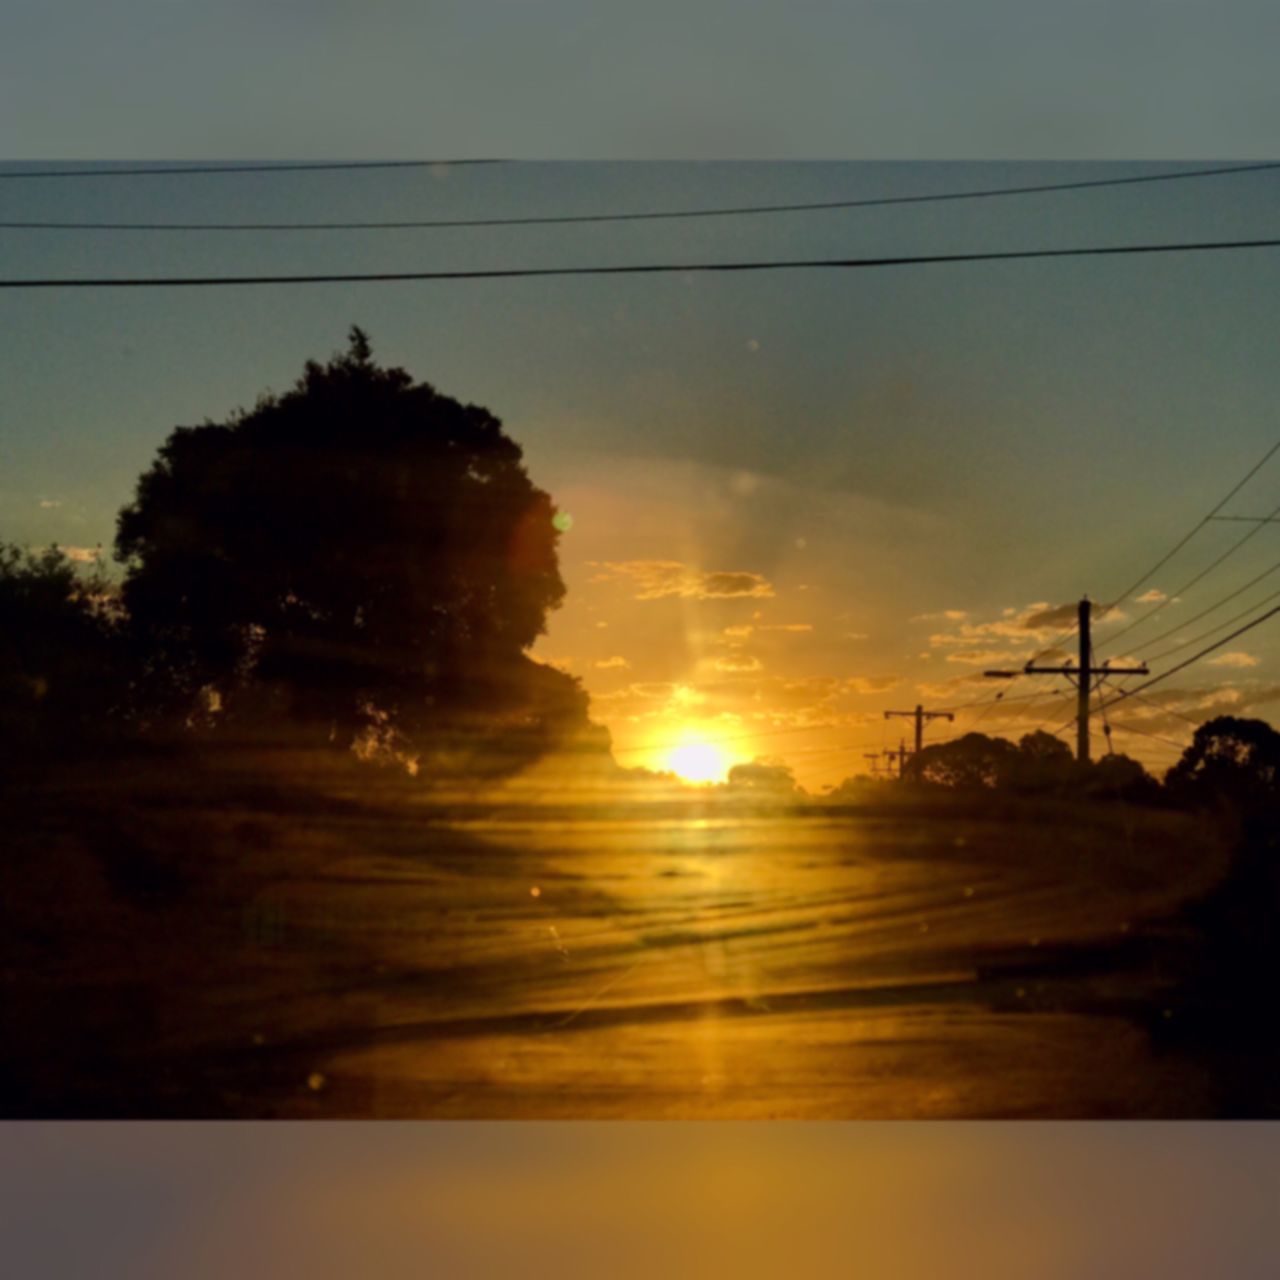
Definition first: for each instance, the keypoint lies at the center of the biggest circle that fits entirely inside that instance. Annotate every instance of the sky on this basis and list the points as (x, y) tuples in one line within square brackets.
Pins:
[(798, 499), (670, 78)]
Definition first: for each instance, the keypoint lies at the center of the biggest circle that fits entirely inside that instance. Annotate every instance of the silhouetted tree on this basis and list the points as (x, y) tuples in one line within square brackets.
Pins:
[(62, 662), (856, 790), (1233, 761), (1120, 777), (763, 778), (974, 760), (1233, 766), (1043, 763), (361, 553)]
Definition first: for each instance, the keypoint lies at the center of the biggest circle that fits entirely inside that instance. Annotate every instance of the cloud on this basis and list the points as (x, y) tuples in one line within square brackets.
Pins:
[(1236, 659), (739, 633), (616, 663), (756, 700), (1014, 629), (738, 662), (723, 585), (975, 657), (944, 615), (560, 664), (856, 635), (789, 626), (871, 684), (50, 504), (1047, 618), (1151, 597), (82, 555), (657, 579), (942, 689), (645, 691)]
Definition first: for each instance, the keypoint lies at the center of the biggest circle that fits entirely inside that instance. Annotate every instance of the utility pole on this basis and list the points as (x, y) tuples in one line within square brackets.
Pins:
[(1082, 673), (874, 757), (901, 756), (920, 715)]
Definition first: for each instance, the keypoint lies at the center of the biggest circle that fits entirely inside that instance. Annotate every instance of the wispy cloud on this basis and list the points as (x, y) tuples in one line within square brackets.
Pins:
[(752, 698), (657, 579), (943, 615), (975, 657), (616, 663), (1015, 629), (738, 662), (1234, 659), (560, 664), (871, 684)]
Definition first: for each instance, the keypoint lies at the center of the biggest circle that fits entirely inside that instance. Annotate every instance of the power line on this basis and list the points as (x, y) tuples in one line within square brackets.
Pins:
[(1204, 635), (1143, 578), (1000, 697), (1173, 711), (1186, 586), (642, 216), (503, 273), (1146, 733), (1066, 724), (1164, 675), (164, 171)]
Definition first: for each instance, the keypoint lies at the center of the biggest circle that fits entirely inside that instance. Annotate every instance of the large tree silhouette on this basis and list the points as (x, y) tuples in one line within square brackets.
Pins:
[(1231, 760), (359, 551)]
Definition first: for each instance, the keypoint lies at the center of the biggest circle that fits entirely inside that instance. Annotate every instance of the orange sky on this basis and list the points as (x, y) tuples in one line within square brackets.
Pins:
[(683, 645)]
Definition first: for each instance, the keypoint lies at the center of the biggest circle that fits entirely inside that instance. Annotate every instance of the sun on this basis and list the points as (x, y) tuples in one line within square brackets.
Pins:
[(698, 761)]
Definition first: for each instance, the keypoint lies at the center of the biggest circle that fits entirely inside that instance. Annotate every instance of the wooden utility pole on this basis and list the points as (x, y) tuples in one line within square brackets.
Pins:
[(874, 757), (920, 715), (901, 756), (1082, 674)]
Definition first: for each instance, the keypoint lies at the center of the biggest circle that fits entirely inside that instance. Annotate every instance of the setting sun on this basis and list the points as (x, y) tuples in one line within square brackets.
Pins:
[(698, 761)]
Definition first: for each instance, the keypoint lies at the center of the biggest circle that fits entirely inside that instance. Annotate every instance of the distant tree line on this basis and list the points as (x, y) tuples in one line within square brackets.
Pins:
[(1231, 763)]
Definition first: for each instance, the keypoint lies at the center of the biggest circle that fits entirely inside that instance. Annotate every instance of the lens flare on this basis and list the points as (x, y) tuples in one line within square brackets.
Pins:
[(698, 761)]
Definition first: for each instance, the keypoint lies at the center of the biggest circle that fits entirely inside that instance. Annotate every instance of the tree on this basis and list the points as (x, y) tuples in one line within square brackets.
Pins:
[(1230, 760), (62, 663), (360, 552), (1120, 777), (968, 762), (1043, 763), (762, 777)]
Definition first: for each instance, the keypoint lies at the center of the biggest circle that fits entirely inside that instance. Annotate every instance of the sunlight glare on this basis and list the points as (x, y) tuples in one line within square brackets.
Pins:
[(698, 761)]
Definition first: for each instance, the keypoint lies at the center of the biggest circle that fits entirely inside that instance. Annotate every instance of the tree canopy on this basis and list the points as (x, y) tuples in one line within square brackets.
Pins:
[(62, 662), (1230, 759), (973, 760), (359, 551)]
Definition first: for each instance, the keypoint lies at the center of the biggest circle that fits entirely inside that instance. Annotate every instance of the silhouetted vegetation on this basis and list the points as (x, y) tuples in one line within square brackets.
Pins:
[(764, 778), (362, 558), (1040, 765), (1232, 771), (64, 670)]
